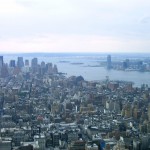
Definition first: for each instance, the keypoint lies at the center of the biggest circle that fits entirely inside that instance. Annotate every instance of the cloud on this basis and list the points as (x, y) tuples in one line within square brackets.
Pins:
[(73, 43), (26, 3), (9, 7), (145, 19), (79, 24)]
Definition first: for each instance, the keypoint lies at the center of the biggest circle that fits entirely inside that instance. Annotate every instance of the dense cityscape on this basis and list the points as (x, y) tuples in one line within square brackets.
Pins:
[(74, 75), (128, 65), (42, 109)]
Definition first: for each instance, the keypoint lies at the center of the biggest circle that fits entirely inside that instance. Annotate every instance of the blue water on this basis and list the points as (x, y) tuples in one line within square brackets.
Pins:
[(64, 63)]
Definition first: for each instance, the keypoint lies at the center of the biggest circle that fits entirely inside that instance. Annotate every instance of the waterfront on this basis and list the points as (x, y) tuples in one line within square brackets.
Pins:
[(81, 64)]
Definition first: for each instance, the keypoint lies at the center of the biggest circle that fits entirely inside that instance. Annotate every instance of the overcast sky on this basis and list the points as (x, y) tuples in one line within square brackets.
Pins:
[(74, 25)]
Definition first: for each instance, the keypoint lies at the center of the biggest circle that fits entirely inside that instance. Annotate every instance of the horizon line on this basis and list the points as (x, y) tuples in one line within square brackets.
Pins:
[(74, 53)]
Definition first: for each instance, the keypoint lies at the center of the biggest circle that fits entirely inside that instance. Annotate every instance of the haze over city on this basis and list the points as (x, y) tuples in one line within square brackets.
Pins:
[(74, 26), (74, 75)]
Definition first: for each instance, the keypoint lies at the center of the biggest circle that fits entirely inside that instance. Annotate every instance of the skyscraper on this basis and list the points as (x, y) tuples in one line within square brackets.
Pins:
[(55, 70), (34, 64), (4, 71), (1, 61), (12, 63), (26, 62), (109, 62), (20, 62), (43, 67)]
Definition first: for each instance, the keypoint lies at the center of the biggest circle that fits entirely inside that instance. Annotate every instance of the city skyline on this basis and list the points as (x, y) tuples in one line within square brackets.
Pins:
[(74, 26)]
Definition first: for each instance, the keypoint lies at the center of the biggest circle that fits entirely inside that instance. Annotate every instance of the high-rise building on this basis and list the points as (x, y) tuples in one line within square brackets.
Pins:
[(5, 145), (12, 63), (126, 64), (34, 62), (1, 61), (34, 65), (49, 68), (42, 68), (4, 71), (109, 62), (55, 70), (43, 64), (41, 141), (20, 62), (56, 138), (26, 62)]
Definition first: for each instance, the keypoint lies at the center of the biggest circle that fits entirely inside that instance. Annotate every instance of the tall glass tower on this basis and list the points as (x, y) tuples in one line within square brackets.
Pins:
[(109, 62), (1, 61)]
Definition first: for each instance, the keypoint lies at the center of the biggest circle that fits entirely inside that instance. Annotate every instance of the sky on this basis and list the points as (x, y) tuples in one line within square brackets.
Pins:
[(74, 26)]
